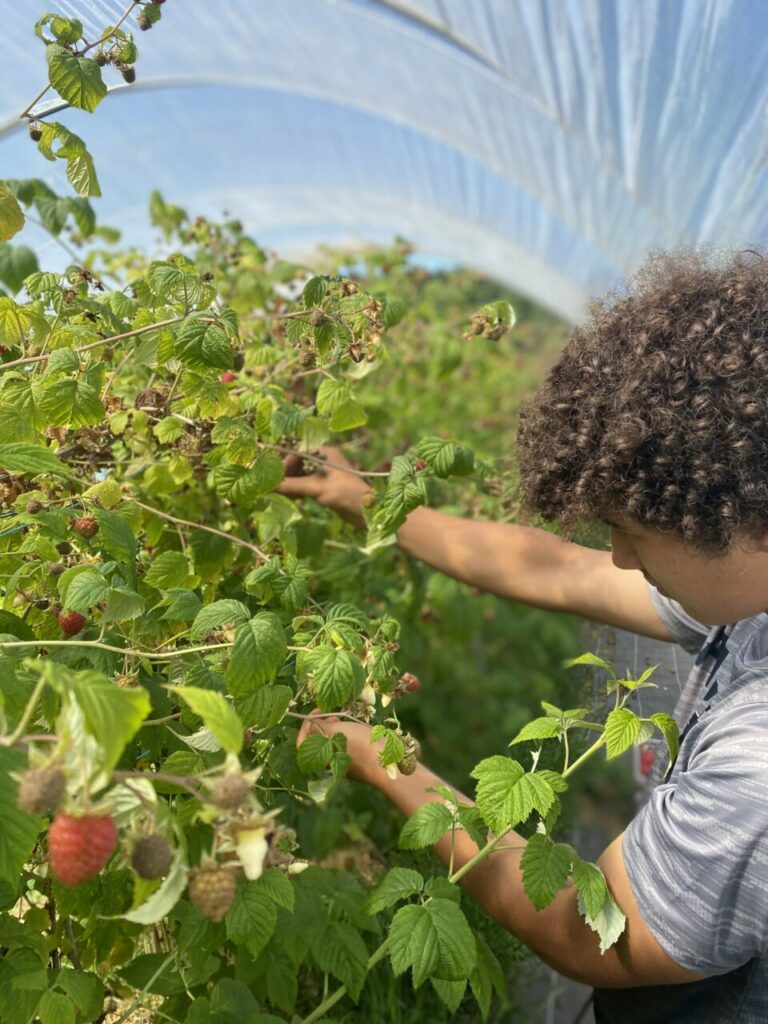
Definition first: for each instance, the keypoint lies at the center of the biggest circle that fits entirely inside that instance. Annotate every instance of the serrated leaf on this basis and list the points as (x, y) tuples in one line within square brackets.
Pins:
[(591, 885), (225, 612), (266, 706), (19, 831), (252, 917), (70, 403), (85, 589), (183, 605), (450, 992), (258, 652), (278, 887), (668, 727), (123, 604), (81, 174), (622, 729), (201, 344), (55, 1008), (314, 754), (112, 715), (76, 79), (86, 991), (538, 729), (398, 884), (11, 215), (17, 262), (425, 826), (336, 675), (485, 977), (506, 794), (32, 459), (348, 416), (217, 714), (545, 867), (116, 537), (609, 922), (434, 940), (588, 659), (168, 430), (339, 950), (168, 569)]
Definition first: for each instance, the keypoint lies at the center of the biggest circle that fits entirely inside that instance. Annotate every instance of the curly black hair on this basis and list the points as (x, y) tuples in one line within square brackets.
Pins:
[(658, 406)]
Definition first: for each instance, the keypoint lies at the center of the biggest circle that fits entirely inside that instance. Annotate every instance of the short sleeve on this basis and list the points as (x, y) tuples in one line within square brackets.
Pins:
[(687, 631), (697, 853)]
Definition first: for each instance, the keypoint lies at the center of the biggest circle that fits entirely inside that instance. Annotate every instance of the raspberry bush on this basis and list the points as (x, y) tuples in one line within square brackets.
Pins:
[(168, 620)]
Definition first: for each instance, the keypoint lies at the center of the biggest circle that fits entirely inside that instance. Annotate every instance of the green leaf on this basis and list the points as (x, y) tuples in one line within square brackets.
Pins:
[(55, 1008), (76, 79), (609, 922), (30, 458), (81, 174), (393, 749), (267, 472), (433, 940), (183, 605), (216, 615), (278, 887), (19, 831), (450, 992), (83, 590), (163, 899), (17, 262), (266, 706), (123, 604), (336, 675), (622, 728), (398, 884), (485, 977), (314, 754), (70, 403), (86, 991), (116, 537), (200, 344), (168, 569), (112, 715), (348, 416), (668, 728), (591, 885), (425, 826), (257, 654), (588, 659), (11, 215), (445, 458), (538, 729), (217, 714), (168, 430), (545, 866), (332, 395), (252, 917), (340, 951), (506, 794)]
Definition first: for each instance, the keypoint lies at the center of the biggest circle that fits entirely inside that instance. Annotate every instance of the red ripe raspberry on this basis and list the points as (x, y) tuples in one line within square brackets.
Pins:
[(79, 847), (71, 622), (409, 682), (227, 377), (86, 526)]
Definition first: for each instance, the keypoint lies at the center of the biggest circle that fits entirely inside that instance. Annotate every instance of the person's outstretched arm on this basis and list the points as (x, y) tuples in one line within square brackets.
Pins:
[(558, 934), (518, 562)]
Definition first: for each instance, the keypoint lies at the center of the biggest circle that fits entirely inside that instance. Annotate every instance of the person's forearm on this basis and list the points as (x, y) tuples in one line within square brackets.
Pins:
[(519, 562), (557, 934)]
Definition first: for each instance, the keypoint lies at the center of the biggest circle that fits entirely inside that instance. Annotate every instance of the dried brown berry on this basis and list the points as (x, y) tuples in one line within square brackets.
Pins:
[(35, 132), (64, 547), (100, 58), (144, 22), (41, 789), (152, 857), (34, 506), (56, 568), (318, 318), (129, 73), (86, 526), (211, 891), (229, 792)]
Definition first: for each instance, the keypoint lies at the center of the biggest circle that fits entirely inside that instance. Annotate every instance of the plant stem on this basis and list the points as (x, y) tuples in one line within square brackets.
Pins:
[(108, 35), (599, 742), (334, 997), (151, 655), (481, 854), (18, 732), (320, 460), (198, 526), (126, 1015)]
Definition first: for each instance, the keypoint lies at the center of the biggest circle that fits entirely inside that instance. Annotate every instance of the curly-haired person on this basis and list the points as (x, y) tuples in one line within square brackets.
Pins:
[(655, 421)]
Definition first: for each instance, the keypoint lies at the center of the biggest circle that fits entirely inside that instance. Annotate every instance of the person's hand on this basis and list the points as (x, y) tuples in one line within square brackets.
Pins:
[(331, 484), (365, 765)]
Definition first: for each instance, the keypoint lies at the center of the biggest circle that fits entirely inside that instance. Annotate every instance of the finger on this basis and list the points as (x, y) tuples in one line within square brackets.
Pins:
[(300, 487)]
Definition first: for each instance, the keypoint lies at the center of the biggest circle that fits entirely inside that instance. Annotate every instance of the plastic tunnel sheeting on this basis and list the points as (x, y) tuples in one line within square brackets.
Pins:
[(548, 143)]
